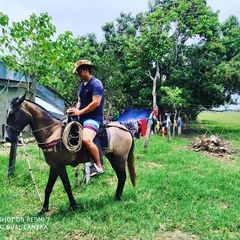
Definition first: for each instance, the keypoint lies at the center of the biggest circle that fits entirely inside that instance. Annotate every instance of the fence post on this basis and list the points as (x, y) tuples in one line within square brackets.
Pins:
[(147, 136)]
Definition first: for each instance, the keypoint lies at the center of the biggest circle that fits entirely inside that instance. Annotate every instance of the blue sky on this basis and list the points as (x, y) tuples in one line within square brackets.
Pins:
[(83, 17)]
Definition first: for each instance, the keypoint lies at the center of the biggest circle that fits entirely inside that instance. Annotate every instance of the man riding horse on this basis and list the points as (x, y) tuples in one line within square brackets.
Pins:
[(48, 132), (89, 109)]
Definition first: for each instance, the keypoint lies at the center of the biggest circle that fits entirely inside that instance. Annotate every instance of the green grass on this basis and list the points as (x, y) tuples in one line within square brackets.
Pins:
[(180, 194)]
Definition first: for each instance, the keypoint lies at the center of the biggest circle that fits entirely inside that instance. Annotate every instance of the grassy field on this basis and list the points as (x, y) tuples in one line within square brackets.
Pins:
[(180, 193), (225, 125)]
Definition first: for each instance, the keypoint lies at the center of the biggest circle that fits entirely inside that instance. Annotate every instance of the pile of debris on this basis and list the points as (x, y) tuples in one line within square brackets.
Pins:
[(214, 146)]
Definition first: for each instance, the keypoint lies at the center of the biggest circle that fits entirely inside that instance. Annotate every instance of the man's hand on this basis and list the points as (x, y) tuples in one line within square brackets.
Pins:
[(73, 112)]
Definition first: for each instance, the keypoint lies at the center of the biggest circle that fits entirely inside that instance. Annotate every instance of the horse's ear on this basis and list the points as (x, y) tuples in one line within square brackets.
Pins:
[(21, 98)]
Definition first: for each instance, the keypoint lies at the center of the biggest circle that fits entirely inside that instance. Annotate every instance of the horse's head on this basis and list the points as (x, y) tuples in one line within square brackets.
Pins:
[(16, 119)]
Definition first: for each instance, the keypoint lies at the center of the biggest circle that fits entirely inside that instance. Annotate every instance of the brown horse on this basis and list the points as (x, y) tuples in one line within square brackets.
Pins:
[(48, 132)]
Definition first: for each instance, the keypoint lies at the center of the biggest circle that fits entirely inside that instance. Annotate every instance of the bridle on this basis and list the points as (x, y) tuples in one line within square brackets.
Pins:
[(37, 130)]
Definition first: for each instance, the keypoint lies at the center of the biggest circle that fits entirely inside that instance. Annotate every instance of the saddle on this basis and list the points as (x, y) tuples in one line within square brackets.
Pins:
[(101, 140)]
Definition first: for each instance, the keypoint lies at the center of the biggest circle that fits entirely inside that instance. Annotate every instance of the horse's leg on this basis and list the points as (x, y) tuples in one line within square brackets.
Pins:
[(12, 159), (65, 180), (118, 164), (77, 181), (51, 181)]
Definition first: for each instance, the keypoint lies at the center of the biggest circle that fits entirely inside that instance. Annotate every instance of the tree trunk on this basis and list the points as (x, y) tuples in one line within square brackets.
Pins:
[(154, 79)]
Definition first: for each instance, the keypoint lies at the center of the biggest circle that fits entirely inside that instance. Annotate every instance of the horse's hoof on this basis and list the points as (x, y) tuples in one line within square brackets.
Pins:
[(42, 212), (74, 207), (117, 198)]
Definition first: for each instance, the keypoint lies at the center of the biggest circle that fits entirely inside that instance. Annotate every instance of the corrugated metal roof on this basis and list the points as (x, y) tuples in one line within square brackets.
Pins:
[(50, 97), (45, 96), (13, 76)]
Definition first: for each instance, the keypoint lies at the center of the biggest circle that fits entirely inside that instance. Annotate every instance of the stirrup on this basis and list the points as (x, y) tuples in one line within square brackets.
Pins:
[(96, 171)]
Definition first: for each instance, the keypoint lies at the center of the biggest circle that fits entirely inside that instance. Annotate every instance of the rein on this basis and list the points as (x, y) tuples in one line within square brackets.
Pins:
[(38, 130), (53, 143), (13, 128), (43, 145), (41, 129)]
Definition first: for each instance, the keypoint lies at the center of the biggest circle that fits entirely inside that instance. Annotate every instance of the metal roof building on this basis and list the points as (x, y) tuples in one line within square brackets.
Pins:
[(14, 84)]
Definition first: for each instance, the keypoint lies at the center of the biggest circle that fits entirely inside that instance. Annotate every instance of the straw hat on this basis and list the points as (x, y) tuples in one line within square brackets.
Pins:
[(80, 63)]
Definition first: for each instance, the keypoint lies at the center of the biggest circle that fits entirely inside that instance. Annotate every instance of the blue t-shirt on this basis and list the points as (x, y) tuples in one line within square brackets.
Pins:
[(93, 88)]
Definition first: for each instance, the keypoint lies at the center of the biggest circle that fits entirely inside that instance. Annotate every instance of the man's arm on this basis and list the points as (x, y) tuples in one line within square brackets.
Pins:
[(96, 101), (78, 103)]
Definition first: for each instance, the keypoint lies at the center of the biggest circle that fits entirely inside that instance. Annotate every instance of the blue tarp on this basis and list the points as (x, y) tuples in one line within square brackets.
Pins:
[(134, 114)]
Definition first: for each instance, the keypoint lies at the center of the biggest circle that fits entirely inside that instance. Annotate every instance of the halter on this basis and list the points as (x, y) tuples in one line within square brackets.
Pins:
[(37, 130)]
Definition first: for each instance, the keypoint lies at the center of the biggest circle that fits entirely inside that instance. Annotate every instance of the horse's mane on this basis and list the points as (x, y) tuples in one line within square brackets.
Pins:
[(41, 107)]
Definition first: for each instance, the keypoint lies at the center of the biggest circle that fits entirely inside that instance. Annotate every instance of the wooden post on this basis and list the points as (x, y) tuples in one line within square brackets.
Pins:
[(30, 168), (148, 133)]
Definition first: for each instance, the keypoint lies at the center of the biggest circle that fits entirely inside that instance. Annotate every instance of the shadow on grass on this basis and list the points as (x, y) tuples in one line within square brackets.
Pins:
[(190, 131), (89, 205)]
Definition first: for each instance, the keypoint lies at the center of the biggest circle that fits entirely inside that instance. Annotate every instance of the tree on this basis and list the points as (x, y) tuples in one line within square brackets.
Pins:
[(119, 77), (228, 70), (179, 44), (4, 20), (28, 47), (172, 98), (113, 80)]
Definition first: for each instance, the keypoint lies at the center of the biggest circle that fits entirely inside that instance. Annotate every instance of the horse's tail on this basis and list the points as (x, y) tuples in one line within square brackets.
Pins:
[(130, 162)]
